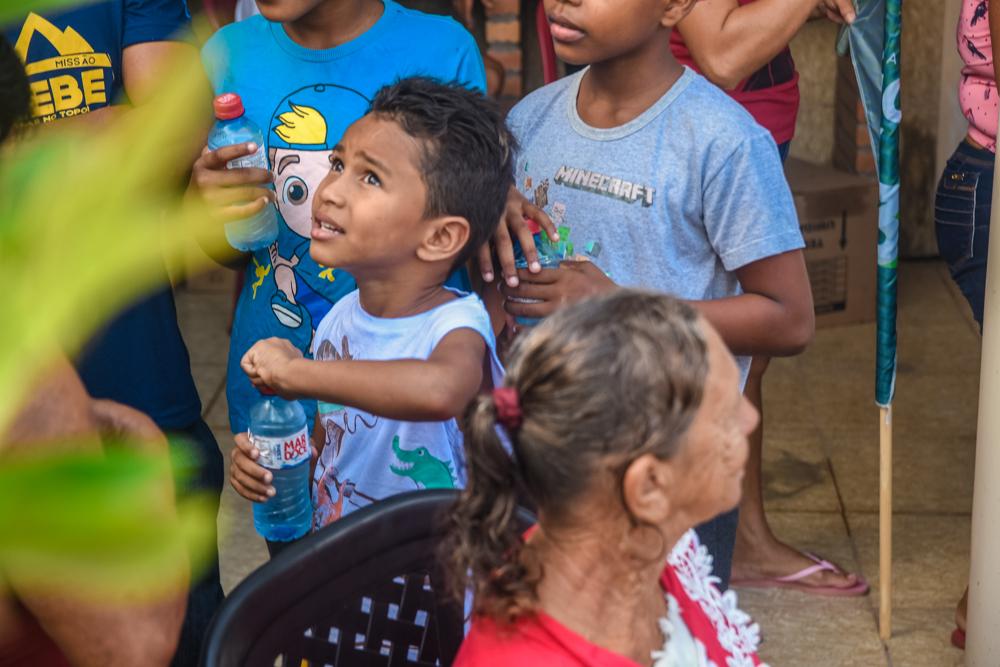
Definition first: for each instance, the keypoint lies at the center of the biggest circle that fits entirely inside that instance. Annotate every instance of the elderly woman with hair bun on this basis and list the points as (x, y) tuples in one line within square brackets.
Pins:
[(621, 420)]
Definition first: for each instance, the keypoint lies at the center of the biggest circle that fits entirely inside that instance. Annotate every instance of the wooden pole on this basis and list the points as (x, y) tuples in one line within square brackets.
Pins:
[(885, 523), (983, 640)]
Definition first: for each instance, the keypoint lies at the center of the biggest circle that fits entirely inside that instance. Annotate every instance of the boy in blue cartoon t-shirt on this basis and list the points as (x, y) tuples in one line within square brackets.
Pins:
[(306, 70)]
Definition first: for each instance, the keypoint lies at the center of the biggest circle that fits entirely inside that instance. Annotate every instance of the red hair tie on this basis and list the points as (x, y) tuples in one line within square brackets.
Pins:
[(508, 407)]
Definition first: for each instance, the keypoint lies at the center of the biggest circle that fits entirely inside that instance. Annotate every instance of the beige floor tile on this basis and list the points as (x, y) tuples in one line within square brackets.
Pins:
[(924, 294), (209, 379), (943, 347), (217, 413), (943, 400), (795, 472), (207, 344), (213, 308), (213, 279), (931, 473), (930, 557), (241, 550), (819, 633), (922, 638)]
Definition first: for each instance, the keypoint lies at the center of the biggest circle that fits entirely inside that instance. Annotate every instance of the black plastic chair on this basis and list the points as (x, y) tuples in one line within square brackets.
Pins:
[(365, 591)]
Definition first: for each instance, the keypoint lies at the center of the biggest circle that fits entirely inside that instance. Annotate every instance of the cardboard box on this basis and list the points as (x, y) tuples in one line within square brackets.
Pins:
[(838, 215)]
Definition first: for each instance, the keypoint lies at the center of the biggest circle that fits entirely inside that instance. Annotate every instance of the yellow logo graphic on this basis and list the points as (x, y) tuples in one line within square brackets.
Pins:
[(327, 274), (302, 125), (261, 273), (63, 95)]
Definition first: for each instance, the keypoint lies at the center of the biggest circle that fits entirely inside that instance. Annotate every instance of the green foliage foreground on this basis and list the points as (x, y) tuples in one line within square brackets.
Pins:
[(86, 219)]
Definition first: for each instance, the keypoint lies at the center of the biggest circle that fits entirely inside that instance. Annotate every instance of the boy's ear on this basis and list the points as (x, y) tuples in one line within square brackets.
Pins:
[(445, 238), (674, 11)]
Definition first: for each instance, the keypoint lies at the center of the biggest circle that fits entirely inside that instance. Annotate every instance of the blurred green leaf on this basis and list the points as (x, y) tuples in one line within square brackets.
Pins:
[(86, 219), (100, 524), (13, 10)]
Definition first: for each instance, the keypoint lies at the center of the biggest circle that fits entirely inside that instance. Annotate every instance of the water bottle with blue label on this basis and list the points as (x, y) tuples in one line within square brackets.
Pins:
[(279, 432), (233, 127)]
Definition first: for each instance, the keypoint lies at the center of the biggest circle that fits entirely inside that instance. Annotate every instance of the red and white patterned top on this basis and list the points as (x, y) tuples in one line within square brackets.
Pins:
[(703, 628)]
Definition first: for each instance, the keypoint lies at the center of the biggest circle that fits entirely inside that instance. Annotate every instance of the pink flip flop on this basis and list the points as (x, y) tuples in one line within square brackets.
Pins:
[(794, 581)]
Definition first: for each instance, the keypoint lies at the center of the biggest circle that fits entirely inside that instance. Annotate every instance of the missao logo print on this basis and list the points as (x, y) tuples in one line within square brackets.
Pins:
[(68, 84)]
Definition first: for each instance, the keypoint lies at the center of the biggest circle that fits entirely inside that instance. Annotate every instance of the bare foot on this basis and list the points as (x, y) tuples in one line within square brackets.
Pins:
[(768, 558)]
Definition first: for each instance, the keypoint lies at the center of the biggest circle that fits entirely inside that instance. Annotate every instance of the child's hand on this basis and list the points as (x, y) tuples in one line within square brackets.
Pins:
[(267, 362), (250, 480), (512, 225), (234, 194), (552, 288)]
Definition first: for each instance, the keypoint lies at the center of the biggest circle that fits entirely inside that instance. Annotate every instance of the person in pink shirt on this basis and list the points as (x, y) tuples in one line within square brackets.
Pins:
[(621, 421), (965, 192)]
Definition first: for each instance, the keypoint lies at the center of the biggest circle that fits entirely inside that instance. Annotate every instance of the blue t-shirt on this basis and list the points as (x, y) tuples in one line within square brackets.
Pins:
[(74, 62), (678, 198), (303, 99)]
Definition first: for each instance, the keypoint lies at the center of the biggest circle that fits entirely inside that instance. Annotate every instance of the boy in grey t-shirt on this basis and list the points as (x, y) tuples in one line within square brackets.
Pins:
[(679, 197), (680, 187)]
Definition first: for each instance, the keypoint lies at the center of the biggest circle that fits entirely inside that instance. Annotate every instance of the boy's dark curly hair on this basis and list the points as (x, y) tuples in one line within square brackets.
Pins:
[(468, 153)]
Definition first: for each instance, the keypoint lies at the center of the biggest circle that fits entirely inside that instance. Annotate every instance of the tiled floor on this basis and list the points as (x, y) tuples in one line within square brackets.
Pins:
[(821, 473)]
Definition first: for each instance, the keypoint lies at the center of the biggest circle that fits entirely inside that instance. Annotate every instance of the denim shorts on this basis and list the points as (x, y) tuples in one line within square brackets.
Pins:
[(962, 220)]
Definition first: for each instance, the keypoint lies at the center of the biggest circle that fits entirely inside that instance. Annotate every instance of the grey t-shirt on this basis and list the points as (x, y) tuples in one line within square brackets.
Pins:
[(678, 198)]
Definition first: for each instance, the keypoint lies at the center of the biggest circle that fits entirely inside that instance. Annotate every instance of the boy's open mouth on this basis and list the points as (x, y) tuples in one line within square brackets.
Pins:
[(325, 229)]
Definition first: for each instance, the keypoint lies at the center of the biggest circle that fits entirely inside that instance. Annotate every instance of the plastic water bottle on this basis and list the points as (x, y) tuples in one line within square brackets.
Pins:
[(549, 256), (278, 430), (233, 127)]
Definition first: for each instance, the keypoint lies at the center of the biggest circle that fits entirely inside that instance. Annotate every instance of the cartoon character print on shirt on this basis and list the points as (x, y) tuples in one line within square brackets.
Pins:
[(304, 128), (337, 421), (542, 194), (423, 468)]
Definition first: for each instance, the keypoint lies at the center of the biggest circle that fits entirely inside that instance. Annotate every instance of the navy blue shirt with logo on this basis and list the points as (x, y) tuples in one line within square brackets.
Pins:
[(73, 58)]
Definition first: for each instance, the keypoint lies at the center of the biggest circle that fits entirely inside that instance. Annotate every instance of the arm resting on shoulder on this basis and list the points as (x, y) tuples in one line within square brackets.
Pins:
[(729, 41)]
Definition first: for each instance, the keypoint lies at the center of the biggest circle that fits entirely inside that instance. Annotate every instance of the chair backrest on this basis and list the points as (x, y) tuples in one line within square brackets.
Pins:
[(366, 590)]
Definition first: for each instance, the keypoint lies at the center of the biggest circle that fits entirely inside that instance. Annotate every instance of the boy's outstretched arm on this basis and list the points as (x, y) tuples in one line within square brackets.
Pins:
[(434, 389), (774, 316)]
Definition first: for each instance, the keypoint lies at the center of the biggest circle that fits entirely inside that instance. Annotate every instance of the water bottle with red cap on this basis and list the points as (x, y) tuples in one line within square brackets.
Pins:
[(233, 127)]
